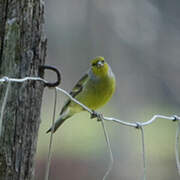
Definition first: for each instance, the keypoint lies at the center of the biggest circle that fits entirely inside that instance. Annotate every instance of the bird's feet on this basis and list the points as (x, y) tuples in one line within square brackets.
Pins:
[(97, 115)]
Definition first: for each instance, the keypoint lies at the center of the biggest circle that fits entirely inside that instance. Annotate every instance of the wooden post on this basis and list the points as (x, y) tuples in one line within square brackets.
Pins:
[(22, 50)]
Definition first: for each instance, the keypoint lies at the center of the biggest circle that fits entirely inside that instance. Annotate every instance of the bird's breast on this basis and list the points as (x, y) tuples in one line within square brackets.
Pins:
[(96, 93)]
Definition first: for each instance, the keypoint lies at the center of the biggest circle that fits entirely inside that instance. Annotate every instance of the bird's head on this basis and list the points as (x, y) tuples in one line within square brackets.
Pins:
[(99, 66)]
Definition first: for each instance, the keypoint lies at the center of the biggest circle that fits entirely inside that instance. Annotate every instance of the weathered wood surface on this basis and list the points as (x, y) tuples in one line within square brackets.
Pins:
[(22, 50)]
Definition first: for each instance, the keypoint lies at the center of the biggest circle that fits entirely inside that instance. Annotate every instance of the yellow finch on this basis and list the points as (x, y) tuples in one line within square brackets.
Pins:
[(93, 90)]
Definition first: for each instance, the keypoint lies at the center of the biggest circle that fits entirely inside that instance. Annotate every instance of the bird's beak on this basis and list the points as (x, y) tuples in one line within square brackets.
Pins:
[(99, 64)]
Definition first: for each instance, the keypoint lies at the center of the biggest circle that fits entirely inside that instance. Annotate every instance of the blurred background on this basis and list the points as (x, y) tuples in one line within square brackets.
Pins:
[(141, 41)]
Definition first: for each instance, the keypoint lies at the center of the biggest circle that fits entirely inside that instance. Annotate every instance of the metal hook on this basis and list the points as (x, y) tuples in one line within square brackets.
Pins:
[(42, 68)]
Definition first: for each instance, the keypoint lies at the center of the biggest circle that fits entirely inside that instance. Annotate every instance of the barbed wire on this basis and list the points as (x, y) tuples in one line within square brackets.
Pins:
[(138, 125)]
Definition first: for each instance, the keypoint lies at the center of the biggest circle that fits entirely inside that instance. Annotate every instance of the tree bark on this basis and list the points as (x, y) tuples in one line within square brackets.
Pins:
[(22, 50)]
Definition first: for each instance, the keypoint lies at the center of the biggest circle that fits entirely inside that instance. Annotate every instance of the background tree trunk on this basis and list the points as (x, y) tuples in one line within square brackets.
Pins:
[(22, 50)]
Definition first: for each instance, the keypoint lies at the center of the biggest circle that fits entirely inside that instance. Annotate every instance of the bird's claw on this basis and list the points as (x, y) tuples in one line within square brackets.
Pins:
[(97, 115), (93, 114)]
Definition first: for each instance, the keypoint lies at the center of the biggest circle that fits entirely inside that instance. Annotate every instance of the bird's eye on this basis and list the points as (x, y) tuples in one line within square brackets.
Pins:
[(102, 61), (93, 64)]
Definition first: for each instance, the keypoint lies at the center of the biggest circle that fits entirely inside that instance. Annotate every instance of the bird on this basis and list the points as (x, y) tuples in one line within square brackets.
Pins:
[(94, 90)]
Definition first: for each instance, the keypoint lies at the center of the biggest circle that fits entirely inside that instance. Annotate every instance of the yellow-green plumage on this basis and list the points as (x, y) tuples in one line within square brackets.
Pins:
[(94, 90)]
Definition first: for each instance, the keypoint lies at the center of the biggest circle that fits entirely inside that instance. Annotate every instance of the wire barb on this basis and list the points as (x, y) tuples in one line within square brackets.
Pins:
[(97, 115), (138, 125), (176, 118)]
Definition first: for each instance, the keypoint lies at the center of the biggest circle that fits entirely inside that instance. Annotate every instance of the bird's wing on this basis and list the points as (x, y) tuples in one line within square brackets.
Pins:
[(79, 86), (75, 91)]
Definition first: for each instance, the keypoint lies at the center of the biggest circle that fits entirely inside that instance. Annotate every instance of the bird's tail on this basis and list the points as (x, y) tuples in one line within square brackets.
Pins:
[(58, 122)]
